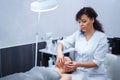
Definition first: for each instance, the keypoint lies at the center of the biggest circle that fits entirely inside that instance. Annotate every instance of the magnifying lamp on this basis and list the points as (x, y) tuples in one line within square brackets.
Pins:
[(42, 6)]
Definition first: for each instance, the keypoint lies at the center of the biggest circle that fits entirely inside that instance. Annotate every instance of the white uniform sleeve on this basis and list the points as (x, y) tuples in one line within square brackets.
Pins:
[(101, 51), (69, 41)]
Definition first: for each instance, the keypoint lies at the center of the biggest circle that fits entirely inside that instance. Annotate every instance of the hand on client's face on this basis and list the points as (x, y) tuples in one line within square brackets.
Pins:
[(61, 64), (67, 65), (60, 60), (70, 65)]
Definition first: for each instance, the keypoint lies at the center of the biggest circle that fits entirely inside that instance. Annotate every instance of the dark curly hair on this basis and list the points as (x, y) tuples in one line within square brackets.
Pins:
[(90, 12)]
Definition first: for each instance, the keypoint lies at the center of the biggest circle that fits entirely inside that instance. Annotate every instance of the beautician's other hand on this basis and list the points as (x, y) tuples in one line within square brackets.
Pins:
[(71, 65), (60, 60)]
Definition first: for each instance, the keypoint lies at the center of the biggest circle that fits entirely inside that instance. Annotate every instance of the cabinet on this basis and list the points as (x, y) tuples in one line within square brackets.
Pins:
[(50, 53), (17, 59)]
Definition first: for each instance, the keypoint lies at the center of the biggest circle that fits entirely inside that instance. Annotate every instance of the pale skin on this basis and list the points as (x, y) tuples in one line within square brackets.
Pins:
[(86, 25)]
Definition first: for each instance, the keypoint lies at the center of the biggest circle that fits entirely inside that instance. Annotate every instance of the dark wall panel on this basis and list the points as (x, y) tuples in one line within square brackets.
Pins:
[(17, 59)]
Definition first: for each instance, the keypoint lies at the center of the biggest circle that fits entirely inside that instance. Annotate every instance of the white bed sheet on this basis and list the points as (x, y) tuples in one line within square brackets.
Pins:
[(36, 73)]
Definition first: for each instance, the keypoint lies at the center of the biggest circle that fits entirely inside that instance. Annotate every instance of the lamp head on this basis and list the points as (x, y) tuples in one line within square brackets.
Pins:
[(43, 5)]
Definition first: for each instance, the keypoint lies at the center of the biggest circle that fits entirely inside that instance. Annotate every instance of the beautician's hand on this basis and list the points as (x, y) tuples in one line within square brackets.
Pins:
[(60, 60), (71, 65)]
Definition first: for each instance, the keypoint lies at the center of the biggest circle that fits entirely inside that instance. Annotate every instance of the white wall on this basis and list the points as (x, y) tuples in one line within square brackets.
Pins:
[(108, 15), (18, 24)]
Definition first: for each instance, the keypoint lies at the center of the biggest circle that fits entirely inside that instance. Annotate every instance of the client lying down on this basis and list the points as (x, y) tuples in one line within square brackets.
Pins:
[(42, 73)]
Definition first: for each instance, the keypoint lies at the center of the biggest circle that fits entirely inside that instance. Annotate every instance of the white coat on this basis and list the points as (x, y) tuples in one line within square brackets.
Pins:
[(95, 49)]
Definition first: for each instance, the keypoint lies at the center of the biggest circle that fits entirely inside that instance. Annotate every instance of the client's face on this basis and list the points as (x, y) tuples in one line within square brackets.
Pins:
[(67, 61), (61, 65), (62, 68)]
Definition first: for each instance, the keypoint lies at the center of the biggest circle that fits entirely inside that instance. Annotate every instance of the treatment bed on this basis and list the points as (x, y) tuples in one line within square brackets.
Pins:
[(36, 73)]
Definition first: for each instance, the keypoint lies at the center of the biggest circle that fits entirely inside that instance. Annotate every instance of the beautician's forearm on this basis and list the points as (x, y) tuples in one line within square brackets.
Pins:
[(60, 55), (59, 48), (86, 64)]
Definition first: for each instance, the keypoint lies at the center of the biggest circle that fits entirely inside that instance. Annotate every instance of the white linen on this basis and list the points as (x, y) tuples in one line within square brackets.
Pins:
[(36, 73)]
